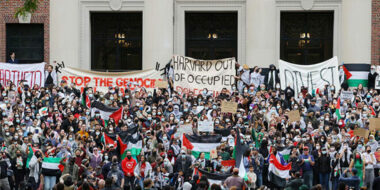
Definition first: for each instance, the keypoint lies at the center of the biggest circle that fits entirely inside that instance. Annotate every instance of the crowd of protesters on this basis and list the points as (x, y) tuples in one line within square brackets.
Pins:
[(325, 154)]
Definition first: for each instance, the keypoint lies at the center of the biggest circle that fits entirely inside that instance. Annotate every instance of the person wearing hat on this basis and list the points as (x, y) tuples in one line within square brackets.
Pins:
[(353, 181), (307, 163), (117, 175)]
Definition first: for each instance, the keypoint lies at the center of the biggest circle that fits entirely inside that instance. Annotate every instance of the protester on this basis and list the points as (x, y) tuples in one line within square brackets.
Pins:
[(61, 137)]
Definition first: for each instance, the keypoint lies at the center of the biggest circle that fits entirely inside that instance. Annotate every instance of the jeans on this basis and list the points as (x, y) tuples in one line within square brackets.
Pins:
[(141, 182), (259, 180), (369, 177), (308, 178), (335, 182), (324, 180), (129, 183), (49, 182)]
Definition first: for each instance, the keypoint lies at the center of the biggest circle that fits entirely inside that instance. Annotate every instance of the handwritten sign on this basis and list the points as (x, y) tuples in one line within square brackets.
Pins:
[(346, 95), (229, 107), (294, 115), (374, 123), (206, 126), (162, 84), (184, 129), (361, 132)]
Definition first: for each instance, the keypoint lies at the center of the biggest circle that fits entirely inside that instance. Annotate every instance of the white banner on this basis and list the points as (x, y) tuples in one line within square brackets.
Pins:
[(312, 76), (100, 81), (194, 75), (32, 73)]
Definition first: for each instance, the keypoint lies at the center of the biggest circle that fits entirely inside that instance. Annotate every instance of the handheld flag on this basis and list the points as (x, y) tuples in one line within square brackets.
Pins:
[(199, 144)]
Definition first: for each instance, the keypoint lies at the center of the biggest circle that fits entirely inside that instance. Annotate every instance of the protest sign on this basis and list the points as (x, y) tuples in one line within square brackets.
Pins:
[(346, 95), (213, 153), (205, 126), (100, 81), (229, 107), (361, 132), (312, 76), (184, 129), (162, 84), (294, 115), (32, 73), (374, 123), (194, 75)]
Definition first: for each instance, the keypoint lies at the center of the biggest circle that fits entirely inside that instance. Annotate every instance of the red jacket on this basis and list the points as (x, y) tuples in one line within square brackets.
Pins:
[(128, 166)]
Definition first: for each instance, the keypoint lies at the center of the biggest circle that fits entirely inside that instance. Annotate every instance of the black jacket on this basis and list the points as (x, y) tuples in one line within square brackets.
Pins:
[(183, 165), (323, 164), (3, 169)]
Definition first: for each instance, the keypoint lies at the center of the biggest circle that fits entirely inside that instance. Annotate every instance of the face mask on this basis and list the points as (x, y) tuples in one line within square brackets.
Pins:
[(111, 98), (183, 155), (17, 121), (163, 119), (70, 139), (159, 113), (4, 94), (324, 152), (87, 113), (317, 147), (106, 157), (127, 96), (236, 173), (27, 118), (38, 117), (97, 133), (227, 120)]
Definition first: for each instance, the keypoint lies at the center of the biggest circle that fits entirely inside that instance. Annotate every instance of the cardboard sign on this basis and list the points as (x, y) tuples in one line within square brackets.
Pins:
[(361, 132), (229, 107), (294, 115), (213, 154), (206, 126), (374, 123), (162, 84), (346, 95), (184, 129)]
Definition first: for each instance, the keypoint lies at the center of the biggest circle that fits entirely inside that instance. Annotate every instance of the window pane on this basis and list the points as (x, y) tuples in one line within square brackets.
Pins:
[(116, 41), (27, 41), (211, 35), (306, 37)]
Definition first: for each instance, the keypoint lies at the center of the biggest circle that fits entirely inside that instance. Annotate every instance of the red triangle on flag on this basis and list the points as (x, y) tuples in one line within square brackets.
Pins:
[(372, 110), (117, 115), (108, 140), (347, 73)]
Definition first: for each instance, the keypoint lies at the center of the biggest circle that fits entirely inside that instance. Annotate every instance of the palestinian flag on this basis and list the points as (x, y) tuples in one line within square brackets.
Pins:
[(109, 139), (372, 111), (130, 140), (238, 154), (337, 109), (43, 111), (212, 178), (116, 116), (86, 102), (50, 166), (278, 173), (356, 74), (286, 153), (199, 144), (30, 155), (105, 111)]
